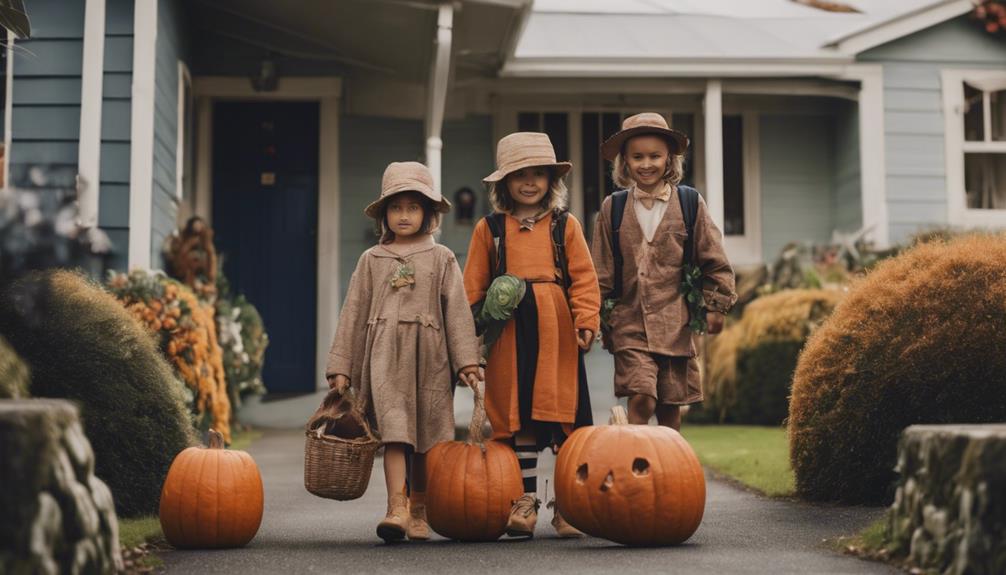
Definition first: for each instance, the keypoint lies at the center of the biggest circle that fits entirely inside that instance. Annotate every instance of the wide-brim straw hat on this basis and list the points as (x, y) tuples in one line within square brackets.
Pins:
[(407, 177), (523, 150), (638, 125)]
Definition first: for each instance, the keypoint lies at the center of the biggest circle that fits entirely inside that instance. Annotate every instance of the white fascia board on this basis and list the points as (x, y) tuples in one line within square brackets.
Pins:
[(901, 26), (690, 68)]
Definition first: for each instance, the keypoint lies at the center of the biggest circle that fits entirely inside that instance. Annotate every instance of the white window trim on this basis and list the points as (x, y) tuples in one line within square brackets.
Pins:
[(8, 111), (747, 248), (141, 156), (92, 79), (958, 213), (184, 81)]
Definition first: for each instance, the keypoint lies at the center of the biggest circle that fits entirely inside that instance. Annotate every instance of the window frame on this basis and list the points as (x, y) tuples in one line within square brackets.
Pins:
[(955, 148)]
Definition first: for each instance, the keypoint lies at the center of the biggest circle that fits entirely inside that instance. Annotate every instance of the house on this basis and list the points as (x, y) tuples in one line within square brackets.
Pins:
[(274, 120)]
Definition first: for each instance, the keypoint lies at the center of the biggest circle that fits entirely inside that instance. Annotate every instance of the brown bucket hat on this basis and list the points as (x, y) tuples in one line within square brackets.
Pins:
[(407, 177), (645, 123), (523, 150)]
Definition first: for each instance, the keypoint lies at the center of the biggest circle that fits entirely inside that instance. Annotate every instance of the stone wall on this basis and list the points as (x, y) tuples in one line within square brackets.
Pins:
[(949, 512), (58, 517)]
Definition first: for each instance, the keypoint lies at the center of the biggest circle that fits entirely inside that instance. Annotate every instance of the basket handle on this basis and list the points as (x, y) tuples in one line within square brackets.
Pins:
[(475, 435)]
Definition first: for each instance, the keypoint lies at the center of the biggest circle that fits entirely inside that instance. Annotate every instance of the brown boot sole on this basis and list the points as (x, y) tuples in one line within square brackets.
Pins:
[(390, 533), (519, 533), (414, 537)]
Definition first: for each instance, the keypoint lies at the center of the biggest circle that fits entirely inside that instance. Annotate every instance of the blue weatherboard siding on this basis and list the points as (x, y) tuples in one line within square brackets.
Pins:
[(171, 47), (848, 198), (116, 94), (797, 180), (467, 158), (913, 100), (46, 95)]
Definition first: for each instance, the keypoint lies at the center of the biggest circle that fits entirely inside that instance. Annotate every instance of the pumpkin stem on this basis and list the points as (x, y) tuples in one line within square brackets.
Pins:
[(618, 416), (475, 435), (216, 440)]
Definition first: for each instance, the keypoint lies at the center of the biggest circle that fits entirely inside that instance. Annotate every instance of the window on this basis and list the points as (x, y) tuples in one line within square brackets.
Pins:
[(975, 116)]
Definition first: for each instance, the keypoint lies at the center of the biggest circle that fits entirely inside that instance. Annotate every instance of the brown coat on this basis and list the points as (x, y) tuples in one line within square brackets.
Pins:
[(402, 347), (652, 315), (529, 256)]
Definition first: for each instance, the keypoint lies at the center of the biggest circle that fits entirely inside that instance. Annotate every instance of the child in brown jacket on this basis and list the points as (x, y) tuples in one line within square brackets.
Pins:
[(648, 328), (536, 388), (405, 332)]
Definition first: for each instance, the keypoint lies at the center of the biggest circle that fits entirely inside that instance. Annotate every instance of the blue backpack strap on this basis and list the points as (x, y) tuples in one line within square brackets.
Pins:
[(618, 199), (688, 197), (497, 226), (559, 218)]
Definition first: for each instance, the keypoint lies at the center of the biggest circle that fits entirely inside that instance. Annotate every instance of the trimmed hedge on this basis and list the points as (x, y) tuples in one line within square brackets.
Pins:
[(81, 344), (14, 377), (918, 340), (751, 363)]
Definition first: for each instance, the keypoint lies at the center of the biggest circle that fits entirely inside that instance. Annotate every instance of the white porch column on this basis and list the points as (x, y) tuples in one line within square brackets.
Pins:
[(141, 156), (89, 149), (713, 116), (329, 296), (436, 97), (872, 155)]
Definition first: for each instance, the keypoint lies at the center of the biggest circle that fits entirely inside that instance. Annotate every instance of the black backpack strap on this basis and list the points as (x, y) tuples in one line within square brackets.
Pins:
[(618, 199), (689, 199), (497, 226), (559, 218)]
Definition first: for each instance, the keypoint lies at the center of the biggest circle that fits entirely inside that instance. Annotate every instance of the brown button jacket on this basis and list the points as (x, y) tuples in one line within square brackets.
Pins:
[(652, 314)]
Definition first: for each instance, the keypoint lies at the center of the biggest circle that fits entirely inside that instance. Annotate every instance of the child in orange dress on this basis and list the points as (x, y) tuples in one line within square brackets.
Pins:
[(536, 388)]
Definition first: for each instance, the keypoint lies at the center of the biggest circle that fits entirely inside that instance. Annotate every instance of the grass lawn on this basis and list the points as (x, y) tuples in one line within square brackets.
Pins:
[(756, 456)]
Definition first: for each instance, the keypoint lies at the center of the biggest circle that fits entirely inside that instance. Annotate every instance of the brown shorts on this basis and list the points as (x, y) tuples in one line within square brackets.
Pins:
[(669, 380)]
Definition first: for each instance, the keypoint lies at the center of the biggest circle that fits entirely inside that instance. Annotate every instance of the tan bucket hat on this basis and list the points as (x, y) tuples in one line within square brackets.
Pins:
[(522, 150), (407, 177), (645, 123)]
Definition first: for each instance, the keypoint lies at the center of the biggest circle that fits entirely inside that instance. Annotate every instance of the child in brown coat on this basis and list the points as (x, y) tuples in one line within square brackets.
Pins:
[(648, 328), (536, 390), (405, 332)]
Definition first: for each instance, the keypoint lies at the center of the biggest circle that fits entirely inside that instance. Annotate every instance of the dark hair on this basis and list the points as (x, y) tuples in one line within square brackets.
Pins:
[(431, 218)]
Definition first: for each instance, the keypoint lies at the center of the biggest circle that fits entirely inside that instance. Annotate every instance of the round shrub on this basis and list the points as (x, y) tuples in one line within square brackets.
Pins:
[(82, 345), (13, 373), (918, 340), (752, 362)]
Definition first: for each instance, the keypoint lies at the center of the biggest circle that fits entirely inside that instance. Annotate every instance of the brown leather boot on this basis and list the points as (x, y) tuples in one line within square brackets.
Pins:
[(395, 523), (562, 528), (419, 529), (523, 516)]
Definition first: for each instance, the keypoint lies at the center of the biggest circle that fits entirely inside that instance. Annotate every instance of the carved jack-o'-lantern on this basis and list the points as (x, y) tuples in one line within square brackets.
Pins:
[(631, 484)]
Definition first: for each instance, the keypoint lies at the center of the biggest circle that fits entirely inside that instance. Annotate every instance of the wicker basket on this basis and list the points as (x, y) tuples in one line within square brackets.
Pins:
[(339, 450)]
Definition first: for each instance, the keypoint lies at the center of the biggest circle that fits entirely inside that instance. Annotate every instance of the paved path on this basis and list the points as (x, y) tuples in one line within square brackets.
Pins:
[(741, 533)]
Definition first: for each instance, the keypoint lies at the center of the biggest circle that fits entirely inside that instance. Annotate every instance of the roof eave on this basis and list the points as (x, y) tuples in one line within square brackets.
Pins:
[(859, 41)]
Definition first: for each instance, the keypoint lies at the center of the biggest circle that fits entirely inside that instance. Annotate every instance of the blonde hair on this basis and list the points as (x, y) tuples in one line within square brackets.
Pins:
[(556, 198), (673, 173), (431, 220)]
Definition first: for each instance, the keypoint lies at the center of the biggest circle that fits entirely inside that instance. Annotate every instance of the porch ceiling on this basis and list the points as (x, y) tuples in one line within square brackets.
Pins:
[(346, 37)]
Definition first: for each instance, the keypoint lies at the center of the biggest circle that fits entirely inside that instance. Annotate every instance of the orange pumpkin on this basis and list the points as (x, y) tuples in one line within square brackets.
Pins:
[(471, 485), (631, 484), (212, 497)]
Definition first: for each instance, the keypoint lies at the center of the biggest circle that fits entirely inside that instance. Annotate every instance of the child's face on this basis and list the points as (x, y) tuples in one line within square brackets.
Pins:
[(405, 214), (646, 157), (529, 185)]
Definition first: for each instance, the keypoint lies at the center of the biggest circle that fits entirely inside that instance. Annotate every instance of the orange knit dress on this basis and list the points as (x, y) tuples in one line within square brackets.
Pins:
[(529, 255)]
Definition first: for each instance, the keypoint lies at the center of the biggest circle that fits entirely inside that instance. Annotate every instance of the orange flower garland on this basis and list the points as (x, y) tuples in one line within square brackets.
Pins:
[(187, 333)]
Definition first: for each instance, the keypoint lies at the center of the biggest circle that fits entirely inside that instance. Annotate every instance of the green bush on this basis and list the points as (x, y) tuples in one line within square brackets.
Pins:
[(751, 363), (82, 345), (13, 373), (919, 340), (243, 339)]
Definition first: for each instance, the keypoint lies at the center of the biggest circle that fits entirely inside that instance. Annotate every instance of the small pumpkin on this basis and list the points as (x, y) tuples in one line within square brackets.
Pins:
[(212, 497), (472, 485), (631, 484)]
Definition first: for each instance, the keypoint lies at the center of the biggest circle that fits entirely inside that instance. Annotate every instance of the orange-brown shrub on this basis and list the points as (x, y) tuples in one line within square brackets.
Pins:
[(919, 340)]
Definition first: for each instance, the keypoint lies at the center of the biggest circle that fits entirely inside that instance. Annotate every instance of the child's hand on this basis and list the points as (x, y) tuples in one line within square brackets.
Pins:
[(714, 321), (339, 383), (585, 339), (471, 376)]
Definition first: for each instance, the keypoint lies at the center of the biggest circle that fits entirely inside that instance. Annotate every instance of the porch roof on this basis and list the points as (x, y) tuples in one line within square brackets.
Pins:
[(702, 31)]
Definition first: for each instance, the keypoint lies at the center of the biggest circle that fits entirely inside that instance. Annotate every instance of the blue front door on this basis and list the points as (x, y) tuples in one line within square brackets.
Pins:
[(265, 213)]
